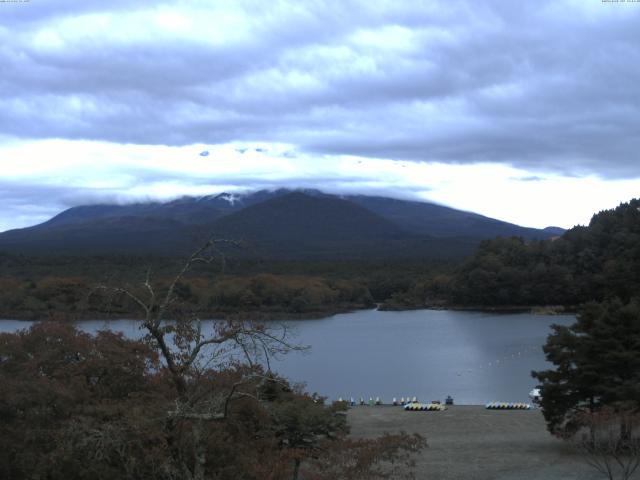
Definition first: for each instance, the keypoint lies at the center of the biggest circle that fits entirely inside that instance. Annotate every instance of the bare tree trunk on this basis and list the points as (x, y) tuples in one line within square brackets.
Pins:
[(199, 451), (183, 345), (296, 468), (625, 432)]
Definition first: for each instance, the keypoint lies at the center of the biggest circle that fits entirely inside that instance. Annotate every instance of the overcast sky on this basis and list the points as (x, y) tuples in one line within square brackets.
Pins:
[(526, 111)]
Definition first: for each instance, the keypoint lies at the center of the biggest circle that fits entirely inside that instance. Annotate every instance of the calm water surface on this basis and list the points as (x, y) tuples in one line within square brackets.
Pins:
[(474, 357)]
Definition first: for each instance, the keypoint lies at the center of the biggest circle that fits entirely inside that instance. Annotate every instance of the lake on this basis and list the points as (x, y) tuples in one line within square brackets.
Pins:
[(475, 357)]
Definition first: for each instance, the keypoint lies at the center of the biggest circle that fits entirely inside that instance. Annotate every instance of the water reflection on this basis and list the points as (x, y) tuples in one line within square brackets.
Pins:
[(474, 357)]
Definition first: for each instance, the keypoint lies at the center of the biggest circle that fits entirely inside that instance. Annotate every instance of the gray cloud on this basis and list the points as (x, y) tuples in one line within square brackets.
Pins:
[(530, 178), (543, 85), (27, 204)]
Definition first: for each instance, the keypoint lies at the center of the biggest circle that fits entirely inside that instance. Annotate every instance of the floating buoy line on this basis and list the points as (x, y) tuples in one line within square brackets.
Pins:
[(506, 359), (410, 403)]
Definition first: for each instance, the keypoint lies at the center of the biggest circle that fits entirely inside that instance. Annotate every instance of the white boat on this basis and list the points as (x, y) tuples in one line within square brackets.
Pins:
[(535, 395)]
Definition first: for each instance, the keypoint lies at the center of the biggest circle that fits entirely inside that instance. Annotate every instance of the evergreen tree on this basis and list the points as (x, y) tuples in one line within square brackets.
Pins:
[(597, 362)]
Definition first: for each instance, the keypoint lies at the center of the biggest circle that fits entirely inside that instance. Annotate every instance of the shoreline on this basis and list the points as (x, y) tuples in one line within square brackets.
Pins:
[(543, 310), (204, 315), (534, 309)]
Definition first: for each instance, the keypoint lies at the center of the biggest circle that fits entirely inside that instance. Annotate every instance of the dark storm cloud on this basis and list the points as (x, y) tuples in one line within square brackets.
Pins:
[(548, 85)]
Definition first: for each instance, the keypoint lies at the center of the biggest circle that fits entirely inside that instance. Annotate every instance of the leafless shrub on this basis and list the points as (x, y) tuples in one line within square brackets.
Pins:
[(610, 441)]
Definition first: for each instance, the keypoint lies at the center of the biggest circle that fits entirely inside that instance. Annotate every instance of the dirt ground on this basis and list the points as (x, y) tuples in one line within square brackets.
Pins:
[(470, 442)]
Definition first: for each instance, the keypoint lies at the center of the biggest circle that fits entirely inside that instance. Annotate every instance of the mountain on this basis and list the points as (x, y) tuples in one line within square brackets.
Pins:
[(554, 231), (303, 225), (121, 235), (439, 221), (187, 210), (280, 223), (298, 215)]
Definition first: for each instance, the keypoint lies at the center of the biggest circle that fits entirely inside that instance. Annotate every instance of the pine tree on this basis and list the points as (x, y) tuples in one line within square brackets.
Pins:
[(597, 364)]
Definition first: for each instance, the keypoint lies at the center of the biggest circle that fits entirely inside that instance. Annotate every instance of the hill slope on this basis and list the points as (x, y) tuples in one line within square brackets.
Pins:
[(440, 221), (595, 262), (302, 225), (277, 223)]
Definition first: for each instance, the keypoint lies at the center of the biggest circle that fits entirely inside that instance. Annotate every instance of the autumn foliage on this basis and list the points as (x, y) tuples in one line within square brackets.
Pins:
[(76, 406)]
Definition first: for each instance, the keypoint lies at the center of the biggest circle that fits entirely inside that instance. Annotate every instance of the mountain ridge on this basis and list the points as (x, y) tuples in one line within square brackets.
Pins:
[(276, 222)]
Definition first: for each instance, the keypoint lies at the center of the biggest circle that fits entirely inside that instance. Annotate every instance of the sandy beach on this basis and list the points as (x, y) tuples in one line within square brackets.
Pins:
[(470, 442)]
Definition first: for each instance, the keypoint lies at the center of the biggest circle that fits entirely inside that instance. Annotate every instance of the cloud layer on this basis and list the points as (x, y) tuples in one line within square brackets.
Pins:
[(547, 86), (524, 111), (45, 177)]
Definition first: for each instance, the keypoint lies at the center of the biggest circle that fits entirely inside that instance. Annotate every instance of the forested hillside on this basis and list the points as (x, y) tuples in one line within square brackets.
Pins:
[(595, 262)]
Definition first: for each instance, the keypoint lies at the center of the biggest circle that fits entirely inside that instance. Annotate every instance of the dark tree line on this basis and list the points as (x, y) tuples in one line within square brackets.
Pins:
[(596, 262), (76, 297), (31, 287)]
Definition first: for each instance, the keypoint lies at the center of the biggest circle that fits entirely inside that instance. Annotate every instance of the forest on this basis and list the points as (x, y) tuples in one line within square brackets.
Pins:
[(67, 287), (587, 263), (593, 262)]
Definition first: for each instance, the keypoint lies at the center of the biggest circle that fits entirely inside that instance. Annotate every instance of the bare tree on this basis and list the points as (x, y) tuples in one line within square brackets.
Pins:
[(190, 355), (610, 442)]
